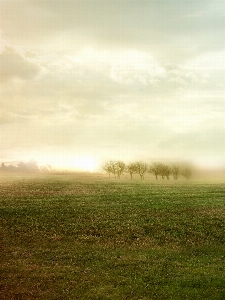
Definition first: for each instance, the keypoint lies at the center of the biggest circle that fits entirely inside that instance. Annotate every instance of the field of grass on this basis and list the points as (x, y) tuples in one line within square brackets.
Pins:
[(71, 237)]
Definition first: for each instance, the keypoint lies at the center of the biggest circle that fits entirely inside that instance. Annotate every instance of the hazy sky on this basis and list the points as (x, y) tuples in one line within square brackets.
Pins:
[(85, 81)]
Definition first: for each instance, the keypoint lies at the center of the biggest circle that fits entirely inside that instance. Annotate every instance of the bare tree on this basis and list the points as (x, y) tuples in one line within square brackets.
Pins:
[(131, 169), (3, 167), (166, 171), (116, 167), (141, 168), (107, 167), (119, 167), (186, 173), (175, 171), (155, 169)]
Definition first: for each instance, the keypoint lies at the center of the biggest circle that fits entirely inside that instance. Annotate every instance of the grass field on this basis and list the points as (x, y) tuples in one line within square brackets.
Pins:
[(74, 237)]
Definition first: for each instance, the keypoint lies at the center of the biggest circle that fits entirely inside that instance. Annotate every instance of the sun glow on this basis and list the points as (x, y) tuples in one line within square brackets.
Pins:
[(84, 164), (78, 163), (68, 162)]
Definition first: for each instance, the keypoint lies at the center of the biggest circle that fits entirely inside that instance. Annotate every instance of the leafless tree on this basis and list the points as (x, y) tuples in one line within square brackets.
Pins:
[(131, 169), (166, 171), (141, 168), (175, 171), (119, 167), (107, 167), (186, 173), (116, 167), (155, 169)]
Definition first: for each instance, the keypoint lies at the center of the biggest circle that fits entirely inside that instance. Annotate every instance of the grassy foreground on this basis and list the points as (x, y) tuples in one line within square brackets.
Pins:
[(68, 237)]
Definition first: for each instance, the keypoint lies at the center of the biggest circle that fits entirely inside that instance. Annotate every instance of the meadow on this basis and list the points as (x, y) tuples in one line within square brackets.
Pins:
[(93, 237)]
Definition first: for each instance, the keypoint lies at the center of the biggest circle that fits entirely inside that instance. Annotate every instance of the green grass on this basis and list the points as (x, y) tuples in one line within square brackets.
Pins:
[(70, 237)]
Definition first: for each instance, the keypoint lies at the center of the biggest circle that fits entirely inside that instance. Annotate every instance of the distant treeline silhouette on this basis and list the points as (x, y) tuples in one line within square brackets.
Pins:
[(118, 167), (31, 167)]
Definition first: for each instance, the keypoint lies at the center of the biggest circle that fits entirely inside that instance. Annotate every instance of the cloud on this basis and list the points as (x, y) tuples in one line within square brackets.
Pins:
[(93, 81), (143, 25), (14, 64), (210, 61), (114, 77)]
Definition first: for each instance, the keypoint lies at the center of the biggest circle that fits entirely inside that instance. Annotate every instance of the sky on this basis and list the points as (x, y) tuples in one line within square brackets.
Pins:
[(85, 81)]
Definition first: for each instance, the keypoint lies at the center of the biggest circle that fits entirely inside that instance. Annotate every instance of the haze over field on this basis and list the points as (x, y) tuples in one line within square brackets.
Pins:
[(84, 81)]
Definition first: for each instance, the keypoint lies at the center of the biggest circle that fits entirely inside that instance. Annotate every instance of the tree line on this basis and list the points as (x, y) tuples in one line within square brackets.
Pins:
[(31, 167), (118, 167)]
